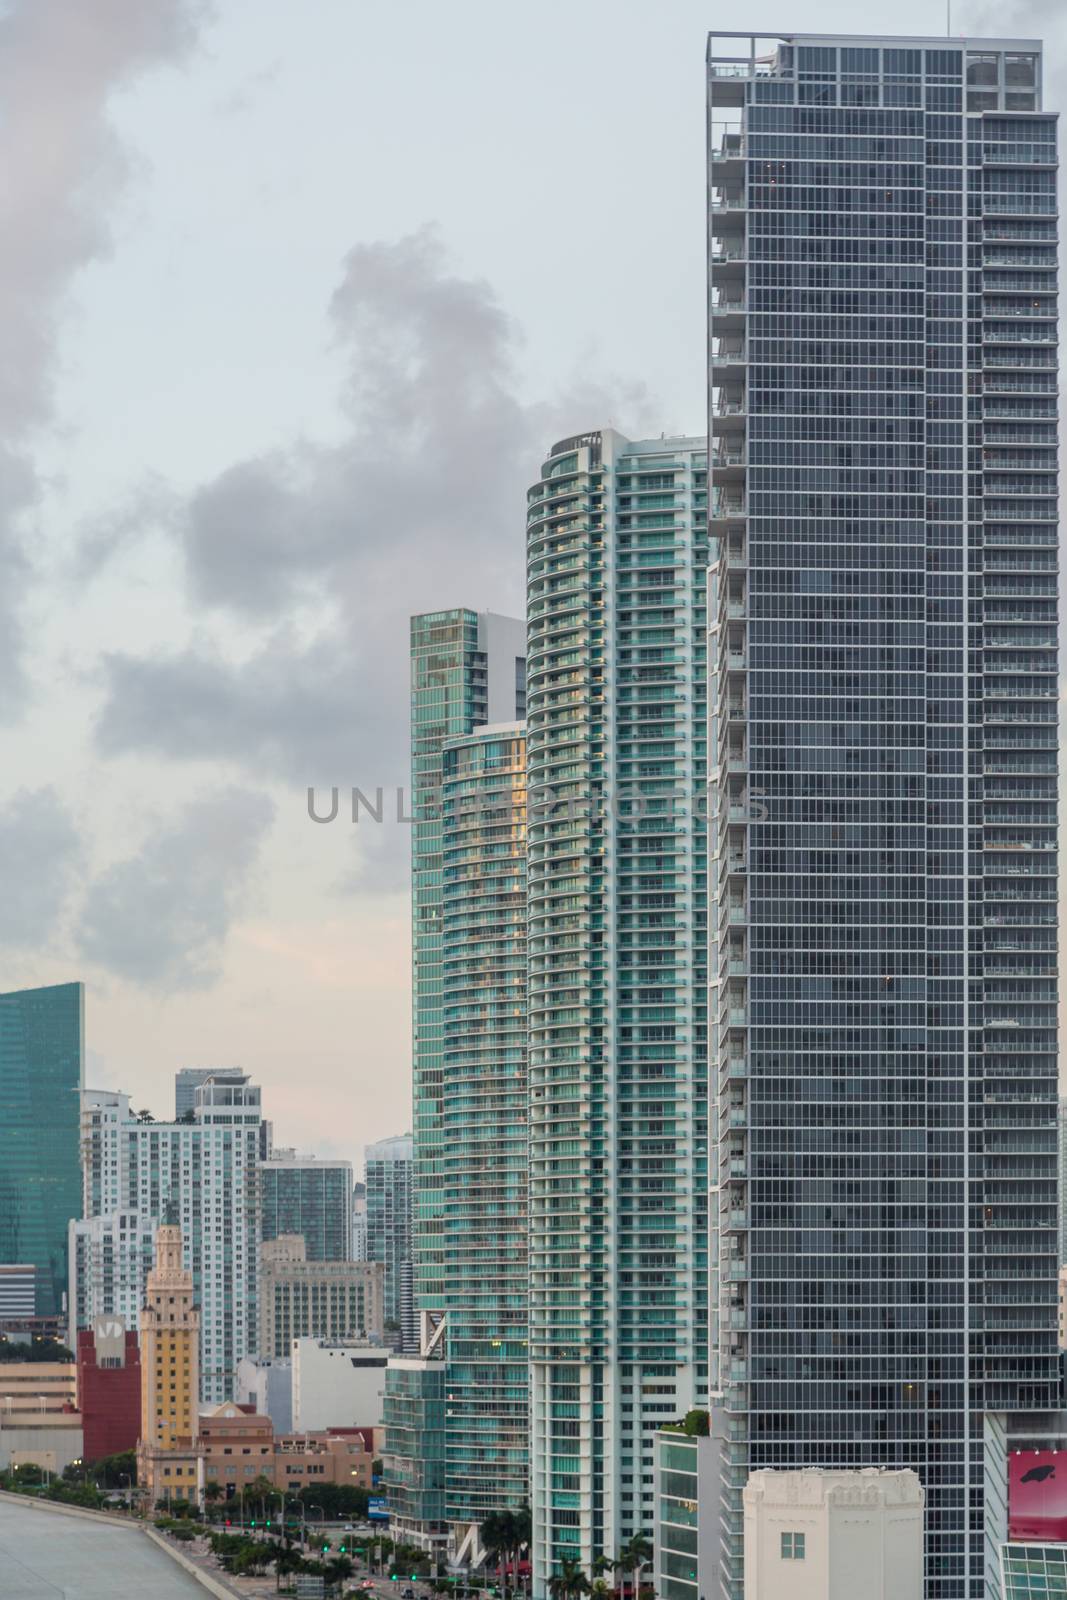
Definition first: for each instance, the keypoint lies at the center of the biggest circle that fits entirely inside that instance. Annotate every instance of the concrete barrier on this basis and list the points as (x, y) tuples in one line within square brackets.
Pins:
[(114, 1517), (213, 1585)]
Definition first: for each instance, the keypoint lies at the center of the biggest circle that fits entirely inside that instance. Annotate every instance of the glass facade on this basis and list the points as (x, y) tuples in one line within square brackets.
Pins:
[(883, 375), (484, 1124), (677, 1518), (42, 1071), (466, 670), (616, 749), (313, 1199), (413, 1415), (1035, 1571), (389, 1198)]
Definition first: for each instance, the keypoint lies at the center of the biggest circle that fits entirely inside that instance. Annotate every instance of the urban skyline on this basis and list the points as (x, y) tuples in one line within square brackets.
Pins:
[(731, 1216)]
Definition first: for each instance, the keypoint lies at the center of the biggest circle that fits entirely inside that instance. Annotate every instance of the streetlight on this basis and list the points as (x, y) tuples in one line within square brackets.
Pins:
[(299, 1504)]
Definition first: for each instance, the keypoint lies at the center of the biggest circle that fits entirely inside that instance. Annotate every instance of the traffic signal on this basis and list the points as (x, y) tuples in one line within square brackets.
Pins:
[(343, 1548), (325, 1546), (229, 1524), (267, 1523), (253, 1522)]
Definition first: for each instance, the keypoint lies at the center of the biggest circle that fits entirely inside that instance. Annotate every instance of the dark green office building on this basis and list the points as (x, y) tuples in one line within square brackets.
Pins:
[(42, 1073)]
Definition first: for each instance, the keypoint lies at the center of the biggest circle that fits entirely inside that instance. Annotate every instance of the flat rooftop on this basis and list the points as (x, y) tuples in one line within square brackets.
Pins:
[(44, 1555)]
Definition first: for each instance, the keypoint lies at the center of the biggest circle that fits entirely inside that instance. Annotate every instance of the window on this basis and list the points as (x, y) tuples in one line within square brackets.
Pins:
[(792, 1547)]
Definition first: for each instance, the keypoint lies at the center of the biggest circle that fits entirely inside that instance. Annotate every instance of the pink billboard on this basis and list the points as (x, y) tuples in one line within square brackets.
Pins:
[(1037, 1495)]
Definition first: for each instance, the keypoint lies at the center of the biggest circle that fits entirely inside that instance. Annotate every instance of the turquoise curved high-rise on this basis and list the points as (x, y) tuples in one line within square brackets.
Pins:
[(484, 1124), (616, 770), (42, 1072)]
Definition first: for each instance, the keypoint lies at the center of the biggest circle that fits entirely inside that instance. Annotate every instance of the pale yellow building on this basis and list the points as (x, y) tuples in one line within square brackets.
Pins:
[(302, 1299), (170, 1462)]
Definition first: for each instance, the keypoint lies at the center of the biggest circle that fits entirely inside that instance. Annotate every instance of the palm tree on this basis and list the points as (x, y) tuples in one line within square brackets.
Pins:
[(633, 1556), (338, 1570), (285, 1561), (504, 1535), (569, 1581), (601, 1587), (495, 1533), (258, 1489)]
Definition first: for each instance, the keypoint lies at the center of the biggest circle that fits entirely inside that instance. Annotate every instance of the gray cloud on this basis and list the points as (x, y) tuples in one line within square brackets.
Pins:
[(419, 507), (40, 857), (59, 62), (161, 917), (304, 714), (437, 437), (105, 538)]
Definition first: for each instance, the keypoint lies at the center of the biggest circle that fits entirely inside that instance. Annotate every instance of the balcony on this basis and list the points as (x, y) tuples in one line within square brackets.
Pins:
[(733, 355)]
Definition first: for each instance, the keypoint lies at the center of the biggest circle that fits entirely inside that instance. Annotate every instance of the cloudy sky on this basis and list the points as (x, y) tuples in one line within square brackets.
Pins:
[(292, 298)]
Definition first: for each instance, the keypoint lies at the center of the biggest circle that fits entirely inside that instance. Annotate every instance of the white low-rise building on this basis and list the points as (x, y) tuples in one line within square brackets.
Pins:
[(337, 1383), (826, 1535)]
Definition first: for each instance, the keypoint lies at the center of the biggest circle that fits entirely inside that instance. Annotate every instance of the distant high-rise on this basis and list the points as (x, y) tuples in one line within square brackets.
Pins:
[(205, 1173), (301, 1194), (617, 931), (467, 669), (883, 397), (468, 691), (42, 1070), (188, 1080), (1062, 1172), (483, 1120), (359, 1222), (389, 1201)]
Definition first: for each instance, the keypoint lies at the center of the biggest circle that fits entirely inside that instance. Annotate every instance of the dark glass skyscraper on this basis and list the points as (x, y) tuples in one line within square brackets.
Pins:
[(42, 1071), (883, 377), (299, 1194)]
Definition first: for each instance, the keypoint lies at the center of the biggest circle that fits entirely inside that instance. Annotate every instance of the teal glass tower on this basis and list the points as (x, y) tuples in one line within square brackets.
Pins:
[(484, 1131), (42, 1073), (468, 671), (616, 761)]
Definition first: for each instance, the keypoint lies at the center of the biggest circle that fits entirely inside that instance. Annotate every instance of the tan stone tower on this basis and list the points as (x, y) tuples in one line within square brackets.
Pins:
[(169, 1460)]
